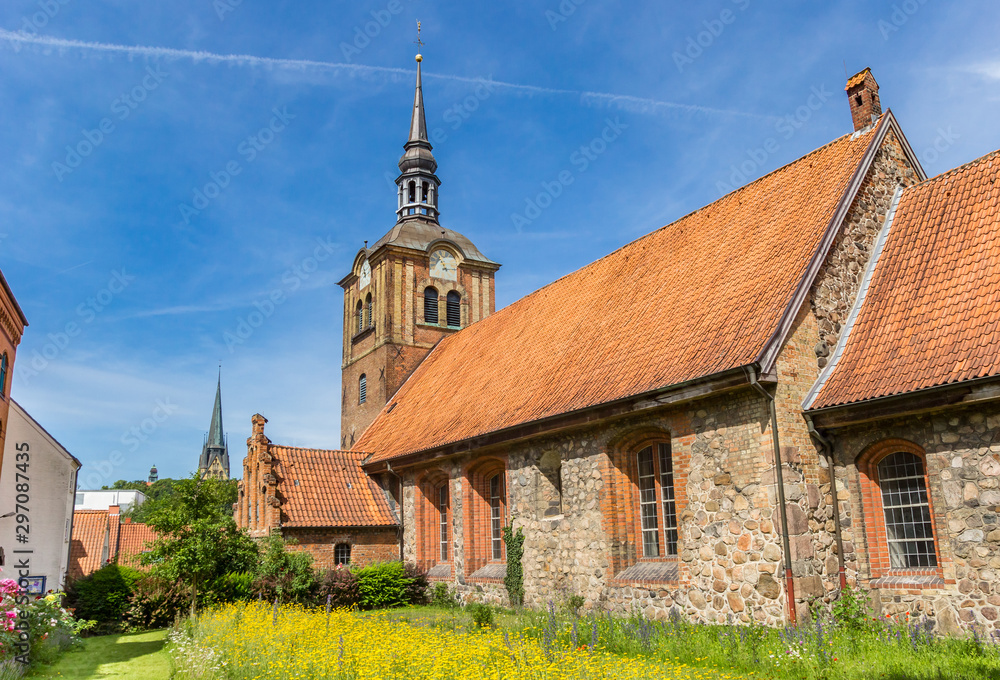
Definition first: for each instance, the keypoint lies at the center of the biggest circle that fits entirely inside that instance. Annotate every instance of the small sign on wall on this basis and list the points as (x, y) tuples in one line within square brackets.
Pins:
[(34, 585)]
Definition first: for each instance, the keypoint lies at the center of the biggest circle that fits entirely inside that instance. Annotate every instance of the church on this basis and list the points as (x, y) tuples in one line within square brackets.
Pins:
[(788, 391)]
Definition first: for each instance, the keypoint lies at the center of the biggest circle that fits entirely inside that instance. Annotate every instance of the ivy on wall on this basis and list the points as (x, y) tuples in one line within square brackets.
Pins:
[(514, 580)]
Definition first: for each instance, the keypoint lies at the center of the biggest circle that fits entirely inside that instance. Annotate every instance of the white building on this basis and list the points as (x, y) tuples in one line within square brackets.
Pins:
[(39, 470), (102, 499)]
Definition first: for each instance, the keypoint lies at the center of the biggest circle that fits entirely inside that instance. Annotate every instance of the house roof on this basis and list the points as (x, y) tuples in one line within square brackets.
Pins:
[(327, 489), (90, 536), (45, 433), (132, 542), (698, 297), (859, 78), (931, 314)]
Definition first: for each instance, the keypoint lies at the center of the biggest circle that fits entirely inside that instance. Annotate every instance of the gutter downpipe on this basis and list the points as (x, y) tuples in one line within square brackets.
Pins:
[(827, 445), (388, 466), (780, 481)]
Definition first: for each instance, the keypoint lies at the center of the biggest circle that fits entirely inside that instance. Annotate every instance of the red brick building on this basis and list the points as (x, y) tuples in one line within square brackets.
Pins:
[(12, 325), (322, 500)]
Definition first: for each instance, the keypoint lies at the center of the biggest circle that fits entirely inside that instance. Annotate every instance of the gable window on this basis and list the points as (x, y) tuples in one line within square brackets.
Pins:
[(908, 527), (430, 305), (3, 375), (657, 507), (362, 389), (342, 553), (496, 517), (368, 311), (360, 317), (443, 520), (454, 309)]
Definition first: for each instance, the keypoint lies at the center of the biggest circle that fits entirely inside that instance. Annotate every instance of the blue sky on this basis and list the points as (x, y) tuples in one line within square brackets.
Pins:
[(300, 110)]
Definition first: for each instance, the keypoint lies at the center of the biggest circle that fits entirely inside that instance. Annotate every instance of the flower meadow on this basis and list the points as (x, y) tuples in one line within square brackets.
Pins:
[(253, 640)]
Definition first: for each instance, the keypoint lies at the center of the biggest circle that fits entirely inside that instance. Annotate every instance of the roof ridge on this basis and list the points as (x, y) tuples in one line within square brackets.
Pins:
[(961, 168), (306, 448)]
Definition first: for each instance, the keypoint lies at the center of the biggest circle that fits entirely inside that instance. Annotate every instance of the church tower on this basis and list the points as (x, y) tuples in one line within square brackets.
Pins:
[(418, 283), (214, 461)]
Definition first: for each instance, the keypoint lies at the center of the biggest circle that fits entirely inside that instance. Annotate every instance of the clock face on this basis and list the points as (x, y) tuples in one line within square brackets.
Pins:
[(366, 275), (444, 265)]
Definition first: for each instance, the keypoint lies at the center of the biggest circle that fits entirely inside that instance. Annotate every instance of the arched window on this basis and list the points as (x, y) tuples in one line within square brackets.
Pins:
[(430, 305), (3, 375), (454, 309), (442, 508), (908, 526), (423, 192), (412, 195), (359, 314), (657, 509), (362, 389), (368, 311), (342, 553)]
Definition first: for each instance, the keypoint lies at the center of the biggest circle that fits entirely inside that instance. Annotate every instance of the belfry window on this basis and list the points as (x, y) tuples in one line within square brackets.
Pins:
[(657, 508), (3, 375), (368, 311), (430, 305), (362, 389), (454, 309), (412, 195), (423, 192), (360, 317)]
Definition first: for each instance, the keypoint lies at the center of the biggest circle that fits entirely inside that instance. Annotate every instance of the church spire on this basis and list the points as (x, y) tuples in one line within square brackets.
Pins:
[(215, 436), (214, 461), (417, 184)]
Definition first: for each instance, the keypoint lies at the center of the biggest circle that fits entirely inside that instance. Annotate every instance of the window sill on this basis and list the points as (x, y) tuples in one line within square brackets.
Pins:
[(362, 334), (494, 572), (440, 572), (648, 572), (438, 327), (906, 580)]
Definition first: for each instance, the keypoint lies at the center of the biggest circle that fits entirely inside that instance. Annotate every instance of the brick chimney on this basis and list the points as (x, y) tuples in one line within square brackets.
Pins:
[(862, 94)]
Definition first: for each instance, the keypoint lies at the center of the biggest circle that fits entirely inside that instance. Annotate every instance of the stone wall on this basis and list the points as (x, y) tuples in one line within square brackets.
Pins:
[(962, 448)]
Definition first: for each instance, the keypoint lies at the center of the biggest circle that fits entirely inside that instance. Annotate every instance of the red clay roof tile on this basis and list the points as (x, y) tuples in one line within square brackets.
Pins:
[(87, 545), (327, 489), (132, 543), (700, 296), (930, 317)]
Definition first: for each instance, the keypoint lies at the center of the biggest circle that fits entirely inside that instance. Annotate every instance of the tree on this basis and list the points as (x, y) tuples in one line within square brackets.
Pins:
[(197, 538), (287, 574)]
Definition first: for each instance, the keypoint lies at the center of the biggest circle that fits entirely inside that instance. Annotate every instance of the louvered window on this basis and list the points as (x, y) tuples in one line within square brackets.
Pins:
[(342, 553), (362, 389), (454, 309), (360, 316), (368, 311), (907, 512), (430, 305)]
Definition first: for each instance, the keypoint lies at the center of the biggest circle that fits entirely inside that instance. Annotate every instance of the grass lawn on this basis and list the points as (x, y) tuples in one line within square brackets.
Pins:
[(139, 656)]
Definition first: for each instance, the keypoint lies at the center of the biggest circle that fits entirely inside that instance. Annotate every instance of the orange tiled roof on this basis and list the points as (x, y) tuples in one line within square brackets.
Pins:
[(327, 489), (132, 543), (932, 312), (697, 297), (858, 78), (90, 536)]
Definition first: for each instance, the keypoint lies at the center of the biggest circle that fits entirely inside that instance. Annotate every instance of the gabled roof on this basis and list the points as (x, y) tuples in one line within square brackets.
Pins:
[(704, 295), (327, 489), (92, 533), (132, 542), (931, 314), (19, 410)]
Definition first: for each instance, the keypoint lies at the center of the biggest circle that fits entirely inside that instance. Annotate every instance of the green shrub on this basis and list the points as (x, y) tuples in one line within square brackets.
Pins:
[(340, 585), (852, 611), (441, 596), (573, 604), (285, 574), (383, 585), (233, 587), (416, 591), (155, 603), (483, 615), (104, 595)]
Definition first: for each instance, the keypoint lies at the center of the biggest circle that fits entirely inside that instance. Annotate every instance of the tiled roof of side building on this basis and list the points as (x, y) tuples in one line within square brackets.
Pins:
[(133, 542), (931, 315), (698, 297), (327, 489), (90, 530)]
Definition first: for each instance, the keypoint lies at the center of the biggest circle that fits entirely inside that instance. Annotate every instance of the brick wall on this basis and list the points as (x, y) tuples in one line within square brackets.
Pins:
[(368, 545)]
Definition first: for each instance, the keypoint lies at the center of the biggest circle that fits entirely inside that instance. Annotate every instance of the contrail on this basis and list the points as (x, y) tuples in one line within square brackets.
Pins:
[(624, 102)]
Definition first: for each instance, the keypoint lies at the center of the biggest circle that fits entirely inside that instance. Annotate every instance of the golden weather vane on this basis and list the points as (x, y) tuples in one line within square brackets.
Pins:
[(418, 42)]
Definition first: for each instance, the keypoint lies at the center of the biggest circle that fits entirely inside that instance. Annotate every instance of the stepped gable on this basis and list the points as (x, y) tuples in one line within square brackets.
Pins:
[(698, 297), (931, 315), (327, 489)]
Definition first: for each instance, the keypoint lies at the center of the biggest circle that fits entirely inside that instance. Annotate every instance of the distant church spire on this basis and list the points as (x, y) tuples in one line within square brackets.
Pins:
[(417, 184), (214, 460)]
